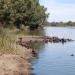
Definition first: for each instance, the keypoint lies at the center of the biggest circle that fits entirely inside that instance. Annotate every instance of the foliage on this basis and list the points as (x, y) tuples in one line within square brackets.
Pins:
[(69, 23), (18, 12)]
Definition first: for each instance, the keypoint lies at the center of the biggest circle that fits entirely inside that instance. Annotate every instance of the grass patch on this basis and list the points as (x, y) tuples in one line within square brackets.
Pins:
[(7, 41)]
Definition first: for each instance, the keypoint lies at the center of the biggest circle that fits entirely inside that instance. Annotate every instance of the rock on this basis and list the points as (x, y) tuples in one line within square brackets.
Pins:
[(34, 53), (46, 39), (56, 39), (69, 39), (63, 40)]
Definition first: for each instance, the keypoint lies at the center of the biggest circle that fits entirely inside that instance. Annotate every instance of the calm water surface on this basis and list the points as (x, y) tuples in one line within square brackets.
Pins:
[(54, 58)]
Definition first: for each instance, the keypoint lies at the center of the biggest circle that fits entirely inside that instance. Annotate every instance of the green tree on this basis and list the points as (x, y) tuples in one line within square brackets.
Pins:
[(27, 12)]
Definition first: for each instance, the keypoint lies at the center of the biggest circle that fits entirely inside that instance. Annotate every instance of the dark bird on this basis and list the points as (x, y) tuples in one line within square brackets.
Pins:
[(72, 55)]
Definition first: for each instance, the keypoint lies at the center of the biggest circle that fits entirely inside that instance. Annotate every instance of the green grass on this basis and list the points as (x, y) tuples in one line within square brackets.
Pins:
[(7, 41)]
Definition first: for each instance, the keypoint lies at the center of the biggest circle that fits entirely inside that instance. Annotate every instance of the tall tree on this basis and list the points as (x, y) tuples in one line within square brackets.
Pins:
[(27, 12)]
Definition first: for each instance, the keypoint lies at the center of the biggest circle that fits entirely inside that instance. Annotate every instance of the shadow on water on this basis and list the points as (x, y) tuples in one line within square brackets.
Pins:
[(39, 48)]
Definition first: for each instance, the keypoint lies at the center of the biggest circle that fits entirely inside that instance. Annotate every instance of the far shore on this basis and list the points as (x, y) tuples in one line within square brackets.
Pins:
[(59, 26)]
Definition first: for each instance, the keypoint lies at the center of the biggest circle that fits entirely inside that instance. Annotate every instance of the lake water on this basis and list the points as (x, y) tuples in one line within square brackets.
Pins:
[(54, 58)]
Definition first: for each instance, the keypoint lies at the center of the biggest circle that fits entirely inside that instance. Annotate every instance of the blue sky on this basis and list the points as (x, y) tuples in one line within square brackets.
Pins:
[(60, 10)]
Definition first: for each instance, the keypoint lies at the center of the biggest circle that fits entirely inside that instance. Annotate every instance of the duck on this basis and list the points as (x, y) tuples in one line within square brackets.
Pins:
[(72, 55)]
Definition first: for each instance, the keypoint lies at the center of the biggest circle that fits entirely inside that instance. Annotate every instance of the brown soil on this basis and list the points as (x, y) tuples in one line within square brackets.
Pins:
[(20, 63)]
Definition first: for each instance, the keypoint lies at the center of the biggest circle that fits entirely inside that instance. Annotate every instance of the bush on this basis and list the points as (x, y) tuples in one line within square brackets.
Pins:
[(22, 12)]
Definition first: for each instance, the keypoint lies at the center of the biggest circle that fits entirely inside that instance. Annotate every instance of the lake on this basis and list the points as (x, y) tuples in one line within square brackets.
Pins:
[(55, 58)]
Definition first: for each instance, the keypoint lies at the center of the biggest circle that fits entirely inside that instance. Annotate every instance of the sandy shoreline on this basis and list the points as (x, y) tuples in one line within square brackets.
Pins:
[(16, 64), (20, 63)]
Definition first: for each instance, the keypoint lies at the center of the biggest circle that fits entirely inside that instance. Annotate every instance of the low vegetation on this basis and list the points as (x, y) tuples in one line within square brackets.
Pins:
[(7, 41), (69, 23), (19, 14)]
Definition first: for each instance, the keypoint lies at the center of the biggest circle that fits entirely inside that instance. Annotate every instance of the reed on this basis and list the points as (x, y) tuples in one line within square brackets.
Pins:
[(7, 41)]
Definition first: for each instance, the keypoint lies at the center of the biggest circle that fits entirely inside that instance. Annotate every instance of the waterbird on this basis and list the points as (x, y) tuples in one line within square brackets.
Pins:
[(72, 55)]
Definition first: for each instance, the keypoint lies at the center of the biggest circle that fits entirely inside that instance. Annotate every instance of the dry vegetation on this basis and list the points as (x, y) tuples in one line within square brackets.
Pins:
[(14, 59), (7, 41)]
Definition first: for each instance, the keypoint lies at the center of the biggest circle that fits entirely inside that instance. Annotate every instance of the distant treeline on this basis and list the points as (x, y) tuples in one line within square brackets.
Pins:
[(22, 12), (69, 23)]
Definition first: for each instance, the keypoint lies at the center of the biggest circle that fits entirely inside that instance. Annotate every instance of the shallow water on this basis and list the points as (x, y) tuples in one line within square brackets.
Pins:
[(54, 58)]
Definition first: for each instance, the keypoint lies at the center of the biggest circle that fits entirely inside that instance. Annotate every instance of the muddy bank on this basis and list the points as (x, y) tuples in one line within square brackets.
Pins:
[(43, 39), (26, 41)]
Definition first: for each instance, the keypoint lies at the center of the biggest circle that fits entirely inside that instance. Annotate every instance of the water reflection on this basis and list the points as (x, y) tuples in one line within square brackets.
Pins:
[(38, 47), (55, 58)]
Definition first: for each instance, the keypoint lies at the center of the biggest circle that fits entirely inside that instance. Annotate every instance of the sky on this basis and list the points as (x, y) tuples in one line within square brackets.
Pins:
[(60, 10)]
